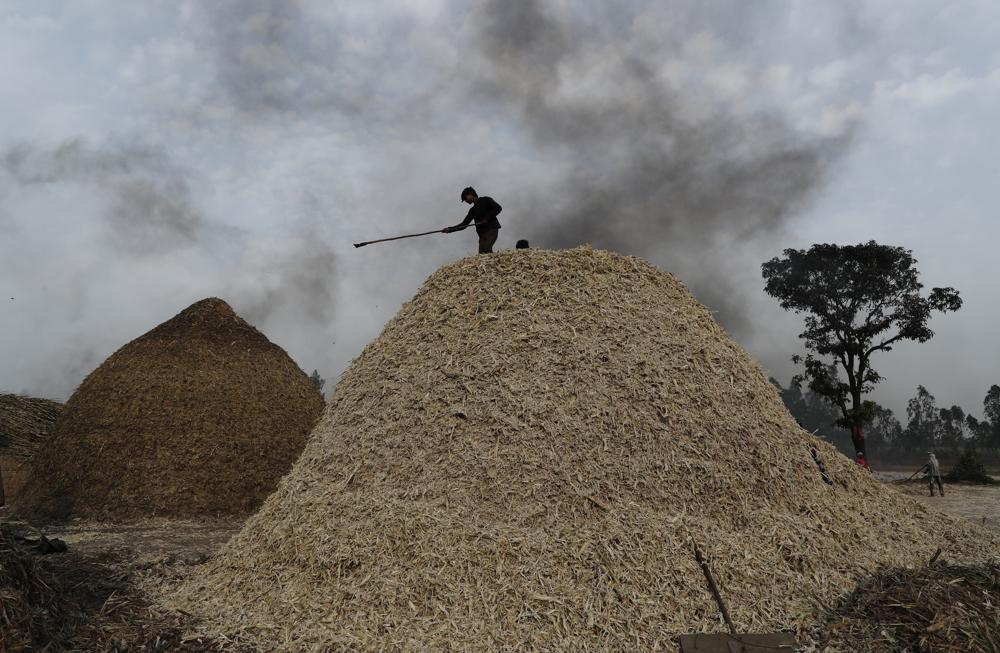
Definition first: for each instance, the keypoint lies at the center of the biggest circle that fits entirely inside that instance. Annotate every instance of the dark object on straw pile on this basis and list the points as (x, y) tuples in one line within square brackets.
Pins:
[(937, 608), (25, 422), (521, 460), (200, 416), (969, 469)]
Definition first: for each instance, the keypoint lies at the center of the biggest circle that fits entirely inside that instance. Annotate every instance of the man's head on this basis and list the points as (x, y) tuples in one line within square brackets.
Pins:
[(521, 244), (859, 455), (469, 195)]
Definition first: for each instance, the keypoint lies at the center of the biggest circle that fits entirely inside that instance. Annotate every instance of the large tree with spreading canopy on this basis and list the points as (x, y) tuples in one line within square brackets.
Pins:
[(858, 300)]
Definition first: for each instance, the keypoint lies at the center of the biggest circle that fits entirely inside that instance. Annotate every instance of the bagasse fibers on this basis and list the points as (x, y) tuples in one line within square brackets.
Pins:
[(25, 422), (200, 416), (940, 608), (522, 459)]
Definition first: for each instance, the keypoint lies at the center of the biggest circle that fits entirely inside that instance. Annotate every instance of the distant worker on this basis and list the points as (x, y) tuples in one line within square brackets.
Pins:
[(860, 459), (484, 214), (521, 244), (934, 472)]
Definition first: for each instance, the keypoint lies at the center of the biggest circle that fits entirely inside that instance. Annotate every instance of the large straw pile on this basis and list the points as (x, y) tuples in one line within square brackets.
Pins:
[(25, 422), (200, 416), (523, 458)]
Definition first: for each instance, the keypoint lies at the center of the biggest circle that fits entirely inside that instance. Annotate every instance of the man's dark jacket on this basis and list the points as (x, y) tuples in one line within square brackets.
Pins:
[(484, 213)]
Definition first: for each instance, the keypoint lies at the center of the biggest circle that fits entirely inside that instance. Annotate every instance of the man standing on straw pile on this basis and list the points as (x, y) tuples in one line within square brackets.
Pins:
[(484, 213), (934, 473)]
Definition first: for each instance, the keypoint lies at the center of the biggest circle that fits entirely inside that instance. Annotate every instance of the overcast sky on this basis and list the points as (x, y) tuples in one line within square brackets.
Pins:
[(155, 153)]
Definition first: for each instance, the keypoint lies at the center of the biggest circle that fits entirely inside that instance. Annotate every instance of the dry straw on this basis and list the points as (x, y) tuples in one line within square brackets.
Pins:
[(200, 416), (25, 422), (522, 459), (940, 608)]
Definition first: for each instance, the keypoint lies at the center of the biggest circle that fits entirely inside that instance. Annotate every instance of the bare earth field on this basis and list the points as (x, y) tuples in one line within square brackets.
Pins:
[(147, 543), (978, 503), (96, 603)]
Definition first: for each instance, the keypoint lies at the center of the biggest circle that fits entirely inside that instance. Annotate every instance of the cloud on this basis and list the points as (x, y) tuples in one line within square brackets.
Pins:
[(150, 209), (927, 90), (113, 231)]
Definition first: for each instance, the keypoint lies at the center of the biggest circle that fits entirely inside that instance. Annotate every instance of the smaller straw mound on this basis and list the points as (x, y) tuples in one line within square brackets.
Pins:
[(198, 417), (940, 608), (24, 424)]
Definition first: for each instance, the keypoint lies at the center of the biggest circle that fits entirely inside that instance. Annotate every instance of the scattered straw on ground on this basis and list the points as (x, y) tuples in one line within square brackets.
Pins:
[(87, 601), (939, 608), (30, 611), (979, 504), (200, 416), (522, 460)]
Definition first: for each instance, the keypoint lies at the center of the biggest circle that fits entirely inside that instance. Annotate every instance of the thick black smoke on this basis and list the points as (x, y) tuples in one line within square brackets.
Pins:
[(650, 171), (650, 163), (371, 117)]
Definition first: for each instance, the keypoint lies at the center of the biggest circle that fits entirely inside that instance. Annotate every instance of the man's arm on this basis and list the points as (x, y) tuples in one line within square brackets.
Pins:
[(469, 217)]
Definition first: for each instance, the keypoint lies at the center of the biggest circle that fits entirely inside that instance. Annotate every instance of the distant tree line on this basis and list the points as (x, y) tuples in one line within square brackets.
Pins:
[(948, 431)]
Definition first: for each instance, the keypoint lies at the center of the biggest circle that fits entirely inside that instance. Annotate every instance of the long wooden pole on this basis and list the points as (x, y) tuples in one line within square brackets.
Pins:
[(385, 240), (700, 557), (915, 473)]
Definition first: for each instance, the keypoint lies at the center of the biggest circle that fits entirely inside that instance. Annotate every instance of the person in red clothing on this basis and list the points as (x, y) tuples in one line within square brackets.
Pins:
[(860, 459)]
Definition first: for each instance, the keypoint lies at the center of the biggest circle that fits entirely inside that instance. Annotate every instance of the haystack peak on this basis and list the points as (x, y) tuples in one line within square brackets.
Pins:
[(213, 305), (199, 416), (210, 319)]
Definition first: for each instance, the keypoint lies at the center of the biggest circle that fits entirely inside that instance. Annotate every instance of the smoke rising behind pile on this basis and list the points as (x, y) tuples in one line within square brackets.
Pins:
[(651, 170), (264, 136)]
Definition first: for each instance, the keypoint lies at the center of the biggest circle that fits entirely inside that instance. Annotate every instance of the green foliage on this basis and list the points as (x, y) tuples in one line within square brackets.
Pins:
[(991, 415), (885, 433), (815, 414), (924, 421), (969, 469), (317, 380), (857, 300), (948, 430)]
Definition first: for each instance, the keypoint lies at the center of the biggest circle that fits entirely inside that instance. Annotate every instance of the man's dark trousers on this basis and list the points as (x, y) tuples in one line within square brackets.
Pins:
[(486, 240)]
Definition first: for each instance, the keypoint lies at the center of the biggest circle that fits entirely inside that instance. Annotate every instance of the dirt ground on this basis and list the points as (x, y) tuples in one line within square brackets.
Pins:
[(977, 503), (142, 544), (96, 605)]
